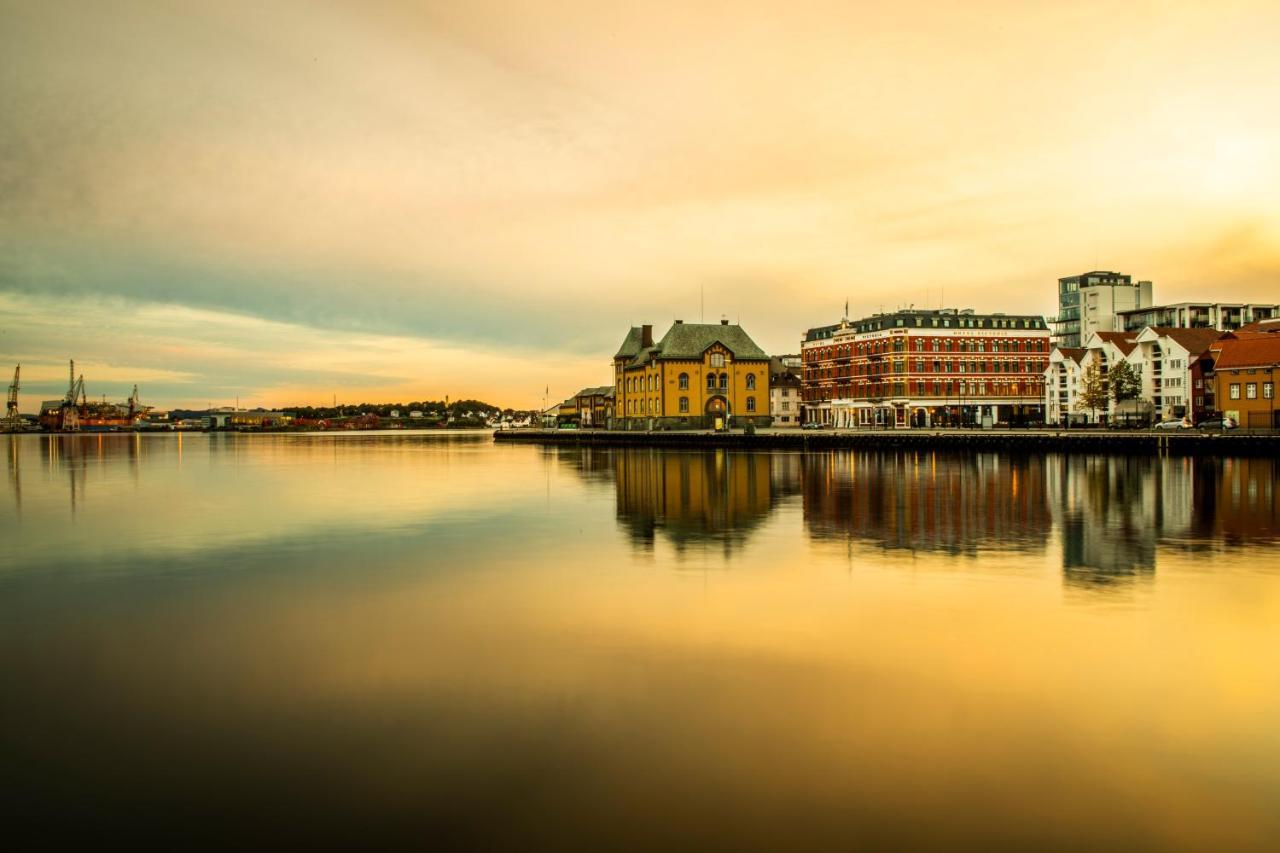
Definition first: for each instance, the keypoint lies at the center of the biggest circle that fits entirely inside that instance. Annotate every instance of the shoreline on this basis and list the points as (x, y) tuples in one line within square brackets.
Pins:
[(987, 441)]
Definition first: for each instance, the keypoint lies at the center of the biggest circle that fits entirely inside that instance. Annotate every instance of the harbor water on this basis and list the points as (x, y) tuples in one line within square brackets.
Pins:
[(425, 639)]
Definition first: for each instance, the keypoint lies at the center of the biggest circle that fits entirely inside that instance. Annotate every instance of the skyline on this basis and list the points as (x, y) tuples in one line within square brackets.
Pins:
[(407, 201)]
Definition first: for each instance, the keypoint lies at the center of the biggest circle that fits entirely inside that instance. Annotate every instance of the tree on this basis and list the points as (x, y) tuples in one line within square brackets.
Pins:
[(1125, 383), (1093, 391)]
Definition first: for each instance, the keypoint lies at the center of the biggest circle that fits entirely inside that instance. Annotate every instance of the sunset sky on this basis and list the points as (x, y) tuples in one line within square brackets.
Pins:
[(392, 201)]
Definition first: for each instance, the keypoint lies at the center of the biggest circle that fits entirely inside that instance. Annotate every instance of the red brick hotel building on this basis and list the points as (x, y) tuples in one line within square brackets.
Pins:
[(926, 368)]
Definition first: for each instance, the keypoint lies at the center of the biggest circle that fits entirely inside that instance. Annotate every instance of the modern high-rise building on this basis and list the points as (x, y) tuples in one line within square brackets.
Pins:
[(1091, 302)]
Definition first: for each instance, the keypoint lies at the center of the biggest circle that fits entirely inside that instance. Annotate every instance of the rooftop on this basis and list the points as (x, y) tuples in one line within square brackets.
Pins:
[(1194, 341), (1123, 341), (1249, 352), (691, 340), (930, 318)]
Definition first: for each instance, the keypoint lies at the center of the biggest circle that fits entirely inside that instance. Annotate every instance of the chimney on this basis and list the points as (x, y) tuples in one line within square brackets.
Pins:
[(679, 322), (724, 321), (646, 336)]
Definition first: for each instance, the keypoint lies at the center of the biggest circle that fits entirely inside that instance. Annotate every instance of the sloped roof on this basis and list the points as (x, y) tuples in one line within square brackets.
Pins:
[(1269, 327), (1123, 341), (1249, 352), (599, 391), (1076, 354), (630, 344), (691, 340), (1194, 341)]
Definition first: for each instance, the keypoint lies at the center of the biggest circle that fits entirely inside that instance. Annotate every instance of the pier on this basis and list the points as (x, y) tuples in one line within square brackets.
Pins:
[(1110, 442)]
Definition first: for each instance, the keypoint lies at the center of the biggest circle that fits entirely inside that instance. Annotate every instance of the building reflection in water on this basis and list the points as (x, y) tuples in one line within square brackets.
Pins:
[(1113, 515), (1116, 514), (691, 499), (927, 501)]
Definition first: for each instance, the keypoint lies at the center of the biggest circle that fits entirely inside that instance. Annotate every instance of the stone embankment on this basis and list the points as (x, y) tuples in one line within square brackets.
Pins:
[(1188, 443)]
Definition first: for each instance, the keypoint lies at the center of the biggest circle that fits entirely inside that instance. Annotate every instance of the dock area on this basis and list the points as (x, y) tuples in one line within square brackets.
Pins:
[(1110, 442)]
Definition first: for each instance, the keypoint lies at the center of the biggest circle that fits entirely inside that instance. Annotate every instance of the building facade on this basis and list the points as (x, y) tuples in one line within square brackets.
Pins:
[(1245, 374), (1092, 302), (1174, 368), (590, 407), (1177, 371), (922, 368), (700, 375), (1223, 316), (786, 405)]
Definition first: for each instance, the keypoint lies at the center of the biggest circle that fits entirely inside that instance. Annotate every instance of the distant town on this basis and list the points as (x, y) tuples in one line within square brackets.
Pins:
[(1111, 357)]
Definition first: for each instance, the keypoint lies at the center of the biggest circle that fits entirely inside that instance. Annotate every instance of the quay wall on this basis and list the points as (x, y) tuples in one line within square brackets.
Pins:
[(985, 441)]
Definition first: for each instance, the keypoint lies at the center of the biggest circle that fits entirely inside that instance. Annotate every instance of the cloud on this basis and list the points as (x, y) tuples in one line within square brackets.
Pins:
[(215, 357), (529, 180)]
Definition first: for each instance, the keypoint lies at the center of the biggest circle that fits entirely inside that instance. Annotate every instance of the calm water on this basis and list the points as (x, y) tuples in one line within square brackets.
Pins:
[(364, 639)]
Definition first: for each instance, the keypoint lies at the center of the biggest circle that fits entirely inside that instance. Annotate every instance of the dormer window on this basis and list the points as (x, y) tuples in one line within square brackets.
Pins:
[(717, 359)]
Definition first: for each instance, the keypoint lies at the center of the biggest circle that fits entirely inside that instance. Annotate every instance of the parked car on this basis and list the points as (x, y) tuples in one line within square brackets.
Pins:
[(1180, 423), (811, 425), (1217, 424)]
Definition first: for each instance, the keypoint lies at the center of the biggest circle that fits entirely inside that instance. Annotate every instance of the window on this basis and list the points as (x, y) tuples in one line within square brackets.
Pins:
[(751, 382), (1235, 391), (684, 382), (751, 404), (717, 359), (1268, 390), (684, 405), (786, 407), (711, 382), (724, 381), (1251, 391)]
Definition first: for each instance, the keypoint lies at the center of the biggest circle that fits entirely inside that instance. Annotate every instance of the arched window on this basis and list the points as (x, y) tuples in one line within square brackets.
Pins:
[(684, 382), (751, 382), (717, 359), (711, 382), (724, 381), (684, 405), (751, 404)]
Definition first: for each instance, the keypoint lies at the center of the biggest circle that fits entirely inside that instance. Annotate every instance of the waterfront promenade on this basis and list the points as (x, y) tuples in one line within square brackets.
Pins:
[(1183, 443)]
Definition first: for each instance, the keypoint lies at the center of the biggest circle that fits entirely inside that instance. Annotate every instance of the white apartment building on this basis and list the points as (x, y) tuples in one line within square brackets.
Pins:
[(1174, 367), (1062, 385), (786, 404), (1223, 316)]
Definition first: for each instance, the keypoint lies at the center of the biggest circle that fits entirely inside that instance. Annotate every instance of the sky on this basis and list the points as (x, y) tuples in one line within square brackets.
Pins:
[(289, 202)]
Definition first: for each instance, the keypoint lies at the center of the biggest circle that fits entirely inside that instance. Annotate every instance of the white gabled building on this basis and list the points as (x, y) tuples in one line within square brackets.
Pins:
[(1175, 368), (1175, 364), (1062, 384)]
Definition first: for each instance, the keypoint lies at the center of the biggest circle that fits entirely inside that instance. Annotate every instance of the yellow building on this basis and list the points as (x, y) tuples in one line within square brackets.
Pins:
[(700, 375)]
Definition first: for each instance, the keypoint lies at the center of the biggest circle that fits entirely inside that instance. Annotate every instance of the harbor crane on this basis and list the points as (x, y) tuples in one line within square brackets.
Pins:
[(74, 402), (12, 419)]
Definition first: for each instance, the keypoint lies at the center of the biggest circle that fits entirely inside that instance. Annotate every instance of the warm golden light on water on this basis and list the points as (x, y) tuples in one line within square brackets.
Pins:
[(527, 646)]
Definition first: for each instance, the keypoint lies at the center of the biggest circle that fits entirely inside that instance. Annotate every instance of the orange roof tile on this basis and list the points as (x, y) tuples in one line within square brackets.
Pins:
[(1263, 351)]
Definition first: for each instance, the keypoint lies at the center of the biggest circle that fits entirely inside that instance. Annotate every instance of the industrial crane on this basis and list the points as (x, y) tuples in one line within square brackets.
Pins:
[(75, 401), (12, 419)]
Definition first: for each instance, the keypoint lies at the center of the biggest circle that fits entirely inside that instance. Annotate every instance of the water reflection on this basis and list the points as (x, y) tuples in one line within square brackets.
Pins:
[(926, 501), (693, 499), (397, 641), (1112, 515)]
